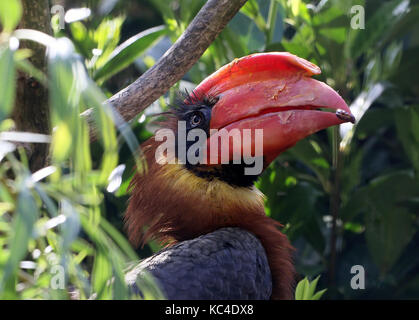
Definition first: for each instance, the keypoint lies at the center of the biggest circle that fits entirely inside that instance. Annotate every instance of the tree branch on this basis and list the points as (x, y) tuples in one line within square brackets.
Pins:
[(172, 66)]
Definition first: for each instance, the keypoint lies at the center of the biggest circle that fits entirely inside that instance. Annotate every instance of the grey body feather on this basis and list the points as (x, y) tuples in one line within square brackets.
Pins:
[(229, 263)]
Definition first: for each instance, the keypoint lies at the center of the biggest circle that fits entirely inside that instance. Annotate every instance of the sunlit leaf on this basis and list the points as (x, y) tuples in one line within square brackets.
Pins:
[(302, 286), (27, 214), (107, 36), (61, 142), (119, 239), (7, 80), (10, 13), (335, 34), (306, 290), (127, 52), (251, 9), (101, 275)]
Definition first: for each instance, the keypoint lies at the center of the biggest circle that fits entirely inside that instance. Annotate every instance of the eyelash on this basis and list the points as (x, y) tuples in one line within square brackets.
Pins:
[(193, 102)]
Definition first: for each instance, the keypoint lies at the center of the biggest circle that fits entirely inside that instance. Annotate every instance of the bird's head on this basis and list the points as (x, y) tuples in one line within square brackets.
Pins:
[(225, 133)]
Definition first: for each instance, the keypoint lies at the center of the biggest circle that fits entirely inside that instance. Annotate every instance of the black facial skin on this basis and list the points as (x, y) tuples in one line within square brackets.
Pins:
[(197, 114)]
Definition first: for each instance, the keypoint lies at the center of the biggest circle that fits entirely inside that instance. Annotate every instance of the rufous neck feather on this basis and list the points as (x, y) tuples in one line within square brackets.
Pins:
[(170, 203), (174, 203)]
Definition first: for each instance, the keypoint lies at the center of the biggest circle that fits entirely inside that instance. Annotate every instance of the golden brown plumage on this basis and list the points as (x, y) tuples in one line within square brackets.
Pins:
[(171, 204)]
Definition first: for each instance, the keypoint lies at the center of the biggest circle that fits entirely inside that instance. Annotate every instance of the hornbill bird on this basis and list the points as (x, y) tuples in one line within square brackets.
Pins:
[(220, 243)]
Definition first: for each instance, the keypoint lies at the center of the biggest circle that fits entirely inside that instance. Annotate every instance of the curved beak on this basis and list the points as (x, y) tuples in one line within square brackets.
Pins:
[(272, 92)]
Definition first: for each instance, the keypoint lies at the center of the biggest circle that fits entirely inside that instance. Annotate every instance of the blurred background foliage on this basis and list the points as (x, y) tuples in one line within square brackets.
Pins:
[(346, 196)]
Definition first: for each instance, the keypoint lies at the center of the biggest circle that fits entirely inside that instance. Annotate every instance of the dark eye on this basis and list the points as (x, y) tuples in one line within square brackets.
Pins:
[(196, 119)]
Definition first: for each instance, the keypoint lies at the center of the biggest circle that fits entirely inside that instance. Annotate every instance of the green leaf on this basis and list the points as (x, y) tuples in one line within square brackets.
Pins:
[(325, 17), (406, 26), (392, 58), (414, 113), (388, 224), (284, 189), (381, 23), (67, 76), (336, 34), (251, 9), (83, 159), (302, 44), (10, 14), (102, 275), (104, 121), (306, 290), (7, 81), (106, 118), (312, 155), (318, 294), (61, 142), (312, 287), (119, 239), (407, 124), (107, 36), (127, 52), (120, 289), (295, 7), (27, 214), (271, 23), (71, 227), (31, 70), (301, 288)]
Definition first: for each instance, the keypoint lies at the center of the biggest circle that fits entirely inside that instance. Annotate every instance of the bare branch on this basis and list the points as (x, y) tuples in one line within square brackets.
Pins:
[(172, 66)]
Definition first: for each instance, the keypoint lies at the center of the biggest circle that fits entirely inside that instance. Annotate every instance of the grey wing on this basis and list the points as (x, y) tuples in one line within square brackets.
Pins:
[(227, 264)]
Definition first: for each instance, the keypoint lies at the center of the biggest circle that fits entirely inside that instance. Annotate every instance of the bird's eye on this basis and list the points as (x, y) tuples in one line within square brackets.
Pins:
[(195, 119)]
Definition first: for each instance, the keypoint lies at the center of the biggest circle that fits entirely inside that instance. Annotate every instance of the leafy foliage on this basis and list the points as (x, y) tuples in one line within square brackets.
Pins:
[(52, 218)]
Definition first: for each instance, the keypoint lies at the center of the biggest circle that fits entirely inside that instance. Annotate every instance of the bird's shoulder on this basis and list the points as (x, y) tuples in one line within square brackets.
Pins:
[(229, 263)]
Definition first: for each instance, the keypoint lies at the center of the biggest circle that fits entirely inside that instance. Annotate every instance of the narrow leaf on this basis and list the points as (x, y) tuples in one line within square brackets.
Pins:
[(127, 52), (7, 81), (10, 13)]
